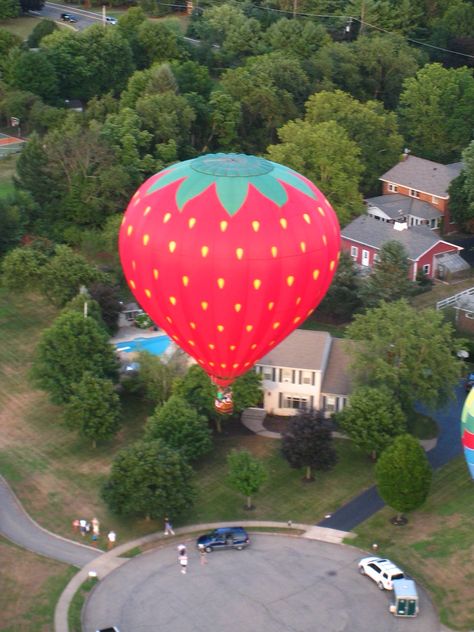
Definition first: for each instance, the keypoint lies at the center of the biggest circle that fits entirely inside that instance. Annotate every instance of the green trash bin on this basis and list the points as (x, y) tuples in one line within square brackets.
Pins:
[(405, 598)]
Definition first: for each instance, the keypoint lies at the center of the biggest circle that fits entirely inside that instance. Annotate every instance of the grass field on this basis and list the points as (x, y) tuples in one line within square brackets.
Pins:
[(437, 545), (7, 171), (20, 26)]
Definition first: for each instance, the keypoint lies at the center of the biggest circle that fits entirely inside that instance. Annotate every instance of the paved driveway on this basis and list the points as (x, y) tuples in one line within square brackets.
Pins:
[(278, 584)]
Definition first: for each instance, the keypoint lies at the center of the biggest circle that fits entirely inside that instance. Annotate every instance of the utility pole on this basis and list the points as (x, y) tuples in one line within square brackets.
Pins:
[(295, 8), (362, 17)]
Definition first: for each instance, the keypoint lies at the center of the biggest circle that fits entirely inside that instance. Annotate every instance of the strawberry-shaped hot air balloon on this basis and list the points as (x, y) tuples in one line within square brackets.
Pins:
[(228, 253), (467, 431)]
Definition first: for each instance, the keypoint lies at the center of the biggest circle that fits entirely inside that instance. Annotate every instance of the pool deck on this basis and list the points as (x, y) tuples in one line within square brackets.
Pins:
[(129, 333)]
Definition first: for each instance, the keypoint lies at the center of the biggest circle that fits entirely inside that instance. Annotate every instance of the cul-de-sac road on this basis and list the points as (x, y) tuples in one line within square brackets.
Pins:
[(278, 584)]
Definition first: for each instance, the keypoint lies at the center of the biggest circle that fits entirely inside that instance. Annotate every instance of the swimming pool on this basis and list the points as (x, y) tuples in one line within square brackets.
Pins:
[(155, 345)]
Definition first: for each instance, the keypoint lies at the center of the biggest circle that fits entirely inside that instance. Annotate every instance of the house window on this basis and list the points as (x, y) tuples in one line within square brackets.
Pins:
[(298, 403), (392, 188), (433, 223), (376, 257), (306, 378), (434, 199), (470, 315), (330, 404), (426, 269), (286, 375), (354, 252), (414, 193), (268, 374)]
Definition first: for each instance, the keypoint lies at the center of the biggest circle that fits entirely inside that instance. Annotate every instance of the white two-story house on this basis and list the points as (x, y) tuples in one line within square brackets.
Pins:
[(308, 370)]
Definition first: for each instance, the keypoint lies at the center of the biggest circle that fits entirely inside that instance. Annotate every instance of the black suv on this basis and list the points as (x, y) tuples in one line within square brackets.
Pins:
[(67, 17), (225, 538)]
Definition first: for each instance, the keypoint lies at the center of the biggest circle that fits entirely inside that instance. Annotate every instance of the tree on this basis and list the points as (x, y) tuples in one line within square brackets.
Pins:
[(461, 192), (403, 475), (22, 268), (181, 427), (31, 5), (110, 307), (324, 154), (78, 305), (158, 41), (436, 113), (308, 444), (65, 273), (342, 299), (411, 352), (155, 378), (246, 474), (372, 419), (198, 390), (71, 346), (296, 37), (247, 391), (93, 408), (8, 41), (17, 212), (32, 71), (43, 28), (149, 479), (9, 9), (370, 126), (389, 279)]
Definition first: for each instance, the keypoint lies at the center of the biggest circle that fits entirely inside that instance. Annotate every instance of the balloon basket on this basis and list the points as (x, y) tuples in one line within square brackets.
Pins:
[(223, 403)]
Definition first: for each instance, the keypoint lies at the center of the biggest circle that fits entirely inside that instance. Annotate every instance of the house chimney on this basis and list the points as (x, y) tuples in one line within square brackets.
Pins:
[(400, 226)]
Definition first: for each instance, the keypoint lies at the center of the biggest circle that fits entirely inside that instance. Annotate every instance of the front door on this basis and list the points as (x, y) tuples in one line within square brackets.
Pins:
[(365, 257)]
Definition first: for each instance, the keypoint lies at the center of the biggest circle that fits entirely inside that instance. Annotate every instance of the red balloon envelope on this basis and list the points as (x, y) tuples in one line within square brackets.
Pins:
[(228, 253)]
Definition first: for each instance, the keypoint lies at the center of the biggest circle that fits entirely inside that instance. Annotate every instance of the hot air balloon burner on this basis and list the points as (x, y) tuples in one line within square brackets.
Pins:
[(223, 402)]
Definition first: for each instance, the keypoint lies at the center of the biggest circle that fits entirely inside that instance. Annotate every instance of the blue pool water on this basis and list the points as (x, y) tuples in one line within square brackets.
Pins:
[(156, 345)]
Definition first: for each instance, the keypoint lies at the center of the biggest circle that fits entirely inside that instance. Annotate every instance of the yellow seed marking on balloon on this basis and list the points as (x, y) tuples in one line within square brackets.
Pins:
[(237, 307), (254, 346), (310, 311), (298, 300), (236, 365), (137, 201), (166, 218), (221, 283), (169, 319), (315, 274), (257, 283), (239, 252), (123, 220), (211, 346), (172, 300), (204, 305), (146, 239), (296, 320), (338, 256), (271, 305), (256, 226), (148, 293), (325, 240), (274, 251), (136, 194), (224, 225), (134, 264), (192, 325), (200, 361), (185, 280), (172, 246), (192, 343), (129, 230), (220, 328), (321, 211), (132, 284), (276, 325), (156, 274), (146, 211), (290, 280), (283, 223), (303, 246), (331, 265), (232, 347), (249, 327), (212, 364), (191, 222), (271, 343), (175, 338), (247, 364), (307, 218), (223, 365), (204, 251)]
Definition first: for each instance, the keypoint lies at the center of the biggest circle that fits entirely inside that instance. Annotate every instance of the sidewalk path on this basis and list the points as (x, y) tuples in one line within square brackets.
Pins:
[(17, 526)]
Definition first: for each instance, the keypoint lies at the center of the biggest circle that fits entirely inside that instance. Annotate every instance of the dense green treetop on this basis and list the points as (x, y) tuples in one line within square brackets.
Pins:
[(33, 71), (411, 352), (43, 28), (9, 9), (389, 279), (461, 192), (246, 473)]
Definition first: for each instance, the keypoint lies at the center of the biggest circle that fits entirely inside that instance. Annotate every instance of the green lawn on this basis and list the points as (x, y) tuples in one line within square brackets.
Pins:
[(437, 545), (20, 26), (7, 171)]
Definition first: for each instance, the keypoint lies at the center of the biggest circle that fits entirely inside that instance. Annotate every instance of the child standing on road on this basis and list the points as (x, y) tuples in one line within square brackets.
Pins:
[(168, 527), (182, 558), (202, 554)]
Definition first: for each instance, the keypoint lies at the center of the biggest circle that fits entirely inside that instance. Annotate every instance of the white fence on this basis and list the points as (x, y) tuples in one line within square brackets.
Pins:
[(452, 300)]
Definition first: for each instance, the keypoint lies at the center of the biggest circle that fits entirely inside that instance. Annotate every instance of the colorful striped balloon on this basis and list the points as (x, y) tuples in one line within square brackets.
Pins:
[(467, 431)]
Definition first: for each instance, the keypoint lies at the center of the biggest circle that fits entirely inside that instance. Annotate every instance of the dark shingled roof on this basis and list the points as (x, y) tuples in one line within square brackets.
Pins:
[(372, 232), (396, 205), (423, 175), (337, 378), (302, 349)]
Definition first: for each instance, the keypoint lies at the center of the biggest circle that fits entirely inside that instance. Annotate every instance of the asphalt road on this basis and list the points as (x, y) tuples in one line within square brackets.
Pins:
[(18, 527), (53, 10), (278, 584)]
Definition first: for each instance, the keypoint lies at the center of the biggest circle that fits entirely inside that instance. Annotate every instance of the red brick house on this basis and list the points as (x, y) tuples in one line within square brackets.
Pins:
[(426, 183), (364, 237)]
